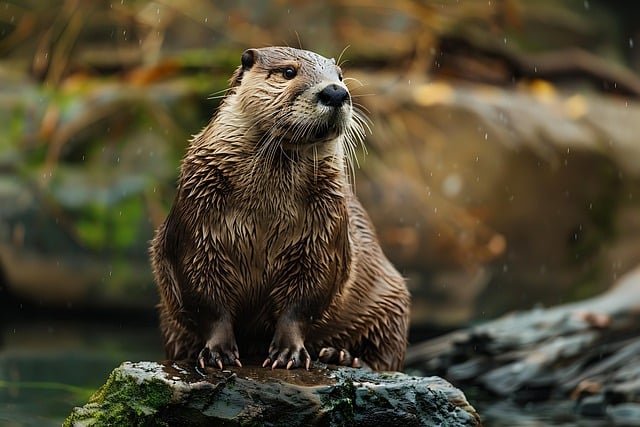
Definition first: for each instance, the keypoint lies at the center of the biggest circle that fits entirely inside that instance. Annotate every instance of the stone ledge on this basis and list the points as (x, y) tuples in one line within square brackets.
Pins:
[(175, 393)]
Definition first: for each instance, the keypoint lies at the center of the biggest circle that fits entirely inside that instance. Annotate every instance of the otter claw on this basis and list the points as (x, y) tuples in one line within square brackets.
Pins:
[(217, 359), (356, 363), (332, 356), (298, 359)]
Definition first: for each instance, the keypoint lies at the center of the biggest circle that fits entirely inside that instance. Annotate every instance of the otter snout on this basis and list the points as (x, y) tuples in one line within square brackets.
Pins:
[(333, 95)]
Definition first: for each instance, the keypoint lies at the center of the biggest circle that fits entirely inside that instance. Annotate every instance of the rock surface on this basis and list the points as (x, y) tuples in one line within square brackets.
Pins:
[(171, 393), (584, 357)]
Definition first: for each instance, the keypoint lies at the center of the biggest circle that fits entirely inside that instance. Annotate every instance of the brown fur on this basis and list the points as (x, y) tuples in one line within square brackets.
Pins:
[(266, 243)]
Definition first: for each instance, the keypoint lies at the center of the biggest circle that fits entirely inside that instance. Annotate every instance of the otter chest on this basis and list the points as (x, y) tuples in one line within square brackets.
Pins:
[(255, 237)]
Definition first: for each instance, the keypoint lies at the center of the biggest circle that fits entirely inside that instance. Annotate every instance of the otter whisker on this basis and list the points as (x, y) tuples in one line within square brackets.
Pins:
[(339, 61), (222, 93), (347, 80)]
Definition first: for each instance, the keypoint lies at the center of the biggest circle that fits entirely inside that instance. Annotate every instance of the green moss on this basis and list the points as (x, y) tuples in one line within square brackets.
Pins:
[(123, 401), (338, 403)]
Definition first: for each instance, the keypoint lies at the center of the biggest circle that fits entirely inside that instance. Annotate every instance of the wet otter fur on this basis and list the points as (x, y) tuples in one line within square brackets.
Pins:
[(266, 249)]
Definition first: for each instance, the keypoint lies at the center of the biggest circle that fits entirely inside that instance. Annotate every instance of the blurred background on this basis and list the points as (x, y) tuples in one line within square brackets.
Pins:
[(502, 171)]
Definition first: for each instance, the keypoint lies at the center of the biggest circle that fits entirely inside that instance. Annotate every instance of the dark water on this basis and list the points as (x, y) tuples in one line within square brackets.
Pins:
[(51, 363)]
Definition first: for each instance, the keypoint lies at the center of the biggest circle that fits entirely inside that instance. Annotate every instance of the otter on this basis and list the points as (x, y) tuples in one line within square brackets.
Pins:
[(266, 248)]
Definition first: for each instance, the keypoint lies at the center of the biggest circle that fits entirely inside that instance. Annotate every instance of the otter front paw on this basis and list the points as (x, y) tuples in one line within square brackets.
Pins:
[(342, 357), (294, 357), (221, 348), (287, 347), (218, 357)]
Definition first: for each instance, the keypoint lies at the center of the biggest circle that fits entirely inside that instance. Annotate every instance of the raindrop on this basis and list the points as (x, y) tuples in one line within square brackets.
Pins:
[(586, 5), (452, 185), (631, 42), (206, 20), (486, 136), (505, 40)]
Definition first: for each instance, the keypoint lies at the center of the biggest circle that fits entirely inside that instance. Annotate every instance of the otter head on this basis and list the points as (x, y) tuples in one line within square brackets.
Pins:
[(292, 97)]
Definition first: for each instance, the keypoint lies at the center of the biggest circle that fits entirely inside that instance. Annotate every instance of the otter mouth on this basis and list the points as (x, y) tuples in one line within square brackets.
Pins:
[(328, 131)]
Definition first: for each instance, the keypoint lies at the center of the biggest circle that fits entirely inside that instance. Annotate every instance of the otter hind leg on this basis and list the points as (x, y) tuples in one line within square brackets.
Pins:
[(342, 357)]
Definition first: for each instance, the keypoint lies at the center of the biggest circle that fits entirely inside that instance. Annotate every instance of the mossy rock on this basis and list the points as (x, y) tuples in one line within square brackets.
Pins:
[(149, 393)]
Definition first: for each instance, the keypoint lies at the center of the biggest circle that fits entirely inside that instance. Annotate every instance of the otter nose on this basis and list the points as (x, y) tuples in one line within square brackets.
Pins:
[(333, 95)]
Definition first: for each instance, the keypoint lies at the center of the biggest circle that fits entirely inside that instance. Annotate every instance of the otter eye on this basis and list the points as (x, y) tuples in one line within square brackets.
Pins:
[(289, 73)]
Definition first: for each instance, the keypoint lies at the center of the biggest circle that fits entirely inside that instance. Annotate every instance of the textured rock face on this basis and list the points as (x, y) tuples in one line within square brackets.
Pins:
[(169, 393)]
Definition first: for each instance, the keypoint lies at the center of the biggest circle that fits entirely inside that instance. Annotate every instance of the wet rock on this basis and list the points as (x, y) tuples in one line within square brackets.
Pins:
[(586, 352), (592, 406), (626, 414), (170, 393)]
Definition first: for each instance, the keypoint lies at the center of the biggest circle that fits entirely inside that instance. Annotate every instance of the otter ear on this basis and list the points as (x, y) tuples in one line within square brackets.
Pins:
[(248, 59)]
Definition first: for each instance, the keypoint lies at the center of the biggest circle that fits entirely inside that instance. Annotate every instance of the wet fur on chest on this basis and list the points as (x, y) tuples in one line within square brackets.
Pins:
[(255, 226)]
